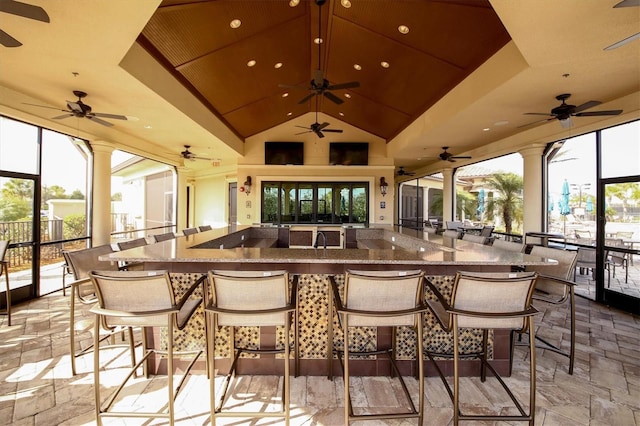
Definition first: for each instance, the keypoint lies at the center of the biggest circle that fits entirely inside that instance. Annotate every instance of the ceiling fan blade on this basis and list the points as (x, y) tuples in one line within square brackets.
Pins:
[(74, 106), (306, 98), (460, 157), (301, 133), (322, 126), (45, 106), (537, 113), (333, 130), (586, 105), (7, 41), (348, 85), (294, 86), (319, 133), (598, 113), (302, 127), (628, 3), (112, 116), (59, 117), (99, 121), (536, 122), (333, 98), (23, 9)]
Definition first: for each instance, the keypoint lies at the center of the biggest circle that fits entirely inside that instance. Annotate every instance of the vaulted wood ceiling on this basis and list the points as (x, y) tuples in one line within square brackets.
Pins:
[(447, 40)]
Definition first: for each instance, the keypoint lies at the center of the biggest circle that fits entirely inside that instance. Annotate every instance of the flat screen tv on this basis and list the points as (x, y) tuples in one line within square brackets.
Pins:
[(283, 153), (349, 153)]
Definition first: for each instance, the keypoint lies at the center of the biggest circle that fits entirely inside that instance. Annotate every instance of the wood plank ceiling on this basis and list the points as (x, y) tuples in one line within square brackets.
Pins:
[(447, 40)]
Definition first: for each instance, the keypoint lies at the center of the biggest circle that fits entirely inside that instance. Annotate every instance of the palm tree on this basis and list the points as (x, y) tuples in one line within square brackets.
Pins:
[(507, 197)]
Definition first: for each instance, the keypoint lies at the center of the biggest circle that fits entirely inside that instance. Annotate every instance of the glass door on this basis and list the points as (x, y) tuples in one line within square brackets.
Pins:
[(17, 219), (619, 218)]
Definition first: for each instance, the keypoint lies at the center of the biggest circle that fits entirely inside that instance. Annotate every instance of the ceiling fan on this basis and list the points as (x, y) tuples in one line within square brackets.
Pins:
[(564, 111), (81, 110), (318, 128), (188, 155), (403, 172), (23, 10), (447, 156), (319, 84)]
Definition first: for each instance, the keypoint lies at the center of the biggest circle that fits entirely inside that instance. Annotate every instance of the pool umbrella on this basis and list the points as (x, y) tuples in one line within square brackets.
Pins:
[(589, 206), (563, 204)]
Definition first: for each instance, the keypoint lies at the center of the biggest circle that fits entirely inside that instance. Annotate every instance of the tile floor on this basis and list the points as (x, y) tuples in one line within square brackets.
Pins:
[(36, 387)]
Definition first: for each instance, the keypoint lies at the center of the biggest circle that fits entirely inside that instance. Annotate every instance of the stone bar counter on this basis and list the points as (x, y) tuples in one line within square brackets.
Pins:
[(381, 248)]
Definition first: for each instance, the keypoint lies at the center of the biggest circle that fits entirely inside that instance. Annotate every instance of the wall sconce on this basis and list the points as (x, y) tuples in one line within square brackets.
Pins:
[(247, 185), (383, 186)]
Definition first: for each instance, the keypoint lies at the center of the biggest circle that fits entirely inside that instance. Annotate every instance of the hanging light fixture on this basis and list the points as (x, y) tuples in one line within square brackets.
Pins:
[(383, 186), (247, 185)]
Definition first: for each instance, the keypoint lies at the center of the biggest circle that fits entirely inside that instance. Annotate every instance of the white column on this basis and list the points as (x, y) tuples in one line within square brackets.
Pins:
[(533, 191), (448, 195), (101, 217)]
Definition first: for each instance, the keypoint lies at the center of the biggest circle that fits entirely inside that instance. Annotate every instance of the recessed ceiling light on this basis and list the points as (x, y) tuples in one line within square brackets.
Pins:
[(384, 64), (403, 29), (500, 123), (341, 114), (347, 95), (148, 127), (285, 94), (345, 3), (235, 23), (357, 67), (251, 63), (294, 3), (278, 65), (289, 114), (486, 129), (317, 40)]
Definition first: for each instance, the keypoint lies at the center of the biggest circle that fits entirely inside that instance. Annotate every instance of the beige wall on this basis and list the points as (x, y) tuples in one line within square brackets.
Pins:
[(316, 168), (211, 201)]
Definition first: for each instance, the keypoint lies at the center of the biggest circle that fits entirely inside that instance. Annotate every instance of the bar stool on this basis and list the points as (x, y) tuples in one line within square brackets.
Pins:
[(142, 299), (555, 288), (80, 262), (189, 231), (4, 269), (203, 228), (378, 299), (486, 301), (249, 298)]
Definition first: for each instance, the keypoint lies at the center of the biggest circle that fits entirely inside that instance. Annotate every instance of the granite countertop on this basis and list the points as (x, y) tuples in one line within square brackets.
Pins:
[(432, 250)]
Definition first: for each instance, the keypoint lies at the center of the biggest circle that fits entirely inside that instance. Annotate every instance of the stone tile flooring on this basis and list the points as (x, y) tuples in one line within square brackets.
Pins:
[(36, 386)]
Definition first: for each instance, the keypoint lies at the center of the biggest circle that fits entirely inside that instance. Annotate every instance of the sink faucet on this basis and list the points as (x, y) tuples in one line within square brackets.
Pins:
[(324, 240)]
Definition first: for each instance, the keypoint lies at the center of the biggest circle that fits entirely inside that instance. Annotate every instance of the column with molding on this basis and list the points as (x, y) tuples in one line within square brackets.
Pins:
[(532, 188), (101, 211)]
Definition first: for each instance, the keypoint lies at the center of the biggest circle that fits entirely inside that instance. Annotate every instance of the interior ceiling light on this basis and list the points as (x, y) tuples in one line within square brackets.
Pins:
[(317, 40), (486, 129), (251, 63), (403, 29), (294, 3), (345, 3), (278, 65), (357, 67), (289, 114), (285, 94), (384, 64), (341, 114), (347, 95), (235, 23)]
